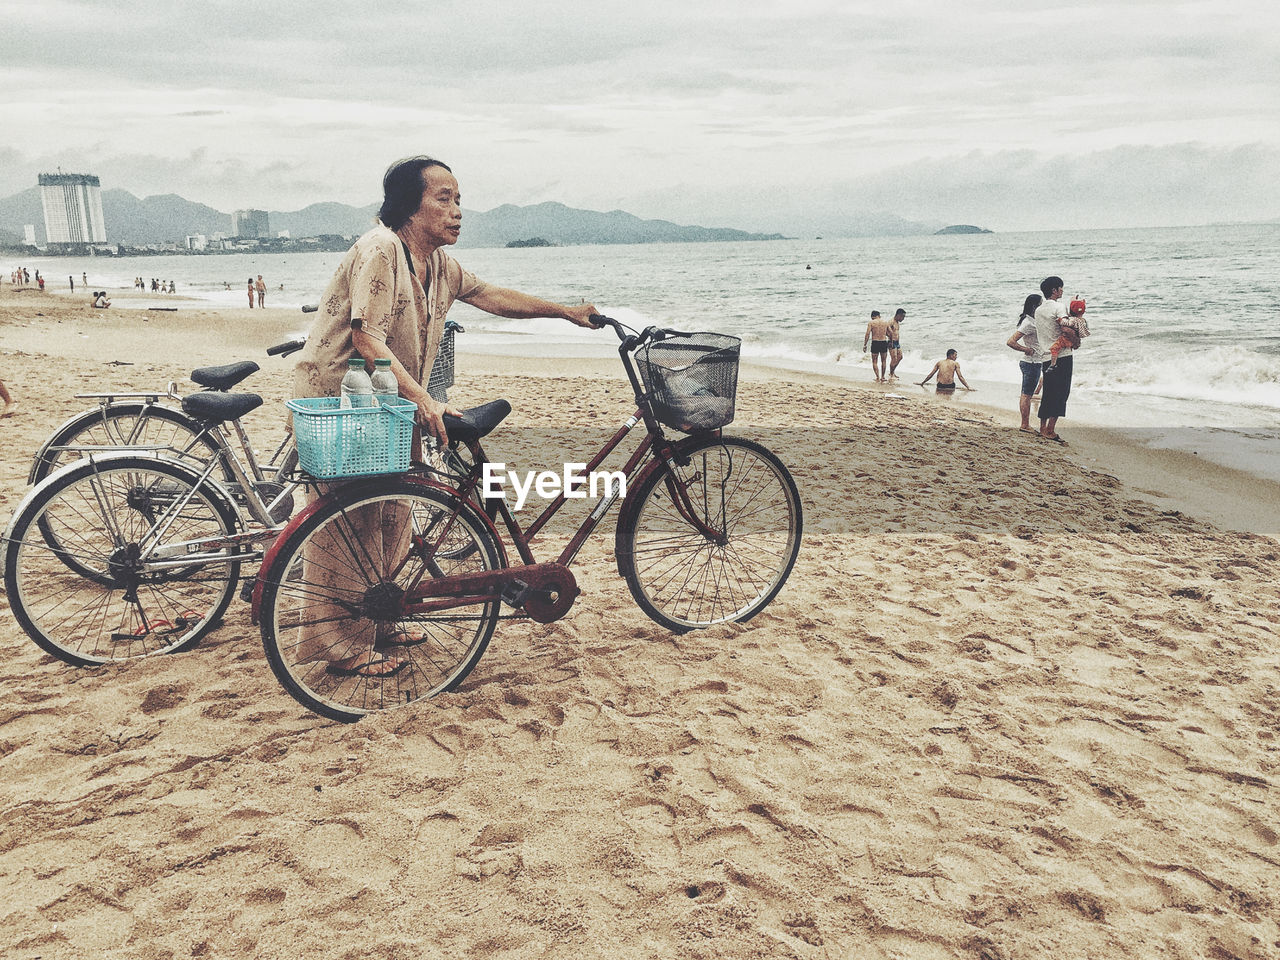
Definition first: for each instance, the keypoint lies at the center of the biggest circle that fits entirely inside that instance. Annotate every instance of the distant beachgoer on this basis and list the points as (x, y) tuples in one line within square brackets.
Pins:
[(7, 398), (1030, 367), (878, 334), (40, 281), (895, 343), (1057, 377), (948, 371), (72, 281), (84, 278), (262, 291), (1074, 329), (251, 293), (100, 299)]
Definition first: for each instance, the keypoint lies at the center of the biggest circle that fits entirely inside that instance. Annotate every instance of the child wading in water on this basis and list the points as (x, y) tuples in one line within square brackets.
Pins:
[(1074, 329)]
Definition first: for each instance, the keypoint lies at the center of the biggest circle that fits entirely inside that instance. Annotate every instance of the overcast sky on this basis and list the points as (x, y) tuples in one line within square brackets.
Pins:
[(782, 116)]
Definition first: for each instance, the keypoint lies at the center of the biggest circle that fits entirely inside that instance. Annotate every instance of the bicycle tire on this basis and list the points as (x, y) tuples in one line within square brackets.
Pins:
[(678, 576), (322, 585), (102, 511), (125, 424)]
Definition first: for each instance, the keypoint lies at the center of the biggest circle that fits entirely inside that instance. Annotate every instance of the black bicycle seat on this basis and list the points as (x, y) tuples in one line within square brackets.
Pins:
[(224, 377), (476, 422), (217, 407)]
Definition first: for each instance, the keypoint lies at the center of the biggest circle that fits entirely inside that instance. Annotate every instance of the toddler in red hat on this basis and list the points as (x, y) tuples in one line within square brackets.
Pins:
[(1074, 329)]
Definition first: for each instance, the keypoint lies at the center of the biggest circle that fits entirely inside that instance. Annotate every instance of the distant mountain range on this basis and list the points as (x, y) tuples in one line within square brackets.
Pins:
[(169, 218)]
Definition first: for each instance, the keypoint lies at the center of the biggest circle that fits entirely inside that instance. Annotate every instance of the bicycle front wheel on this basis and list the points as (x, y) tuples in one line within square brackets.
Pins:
[(712, 541), (334, 624), (79, 566)]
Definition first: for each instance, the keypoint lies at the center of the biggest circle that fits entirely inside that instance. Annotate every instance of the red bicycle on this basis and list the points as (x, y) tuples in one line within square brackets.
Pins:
[(385, 591)]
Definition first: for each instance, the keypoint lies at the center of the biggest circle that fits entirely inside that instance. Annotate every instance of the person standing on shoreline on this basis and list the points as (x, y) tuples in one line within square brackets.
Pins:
[(1057, 379), (262, 292), (895, 343), (878, 334), (1031, 365), (251, 293)]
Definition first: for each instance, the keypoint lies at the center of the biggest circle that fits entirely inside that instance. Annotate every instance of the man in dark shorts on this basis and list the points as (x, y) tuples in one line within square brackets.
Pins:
[(895, 343), (878, 335)]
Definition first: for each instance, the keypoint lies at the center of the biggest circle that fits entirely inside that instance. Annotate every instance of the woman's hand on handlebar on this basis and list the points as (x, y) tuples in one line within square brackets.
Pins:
[(431, 417), (581, 315)]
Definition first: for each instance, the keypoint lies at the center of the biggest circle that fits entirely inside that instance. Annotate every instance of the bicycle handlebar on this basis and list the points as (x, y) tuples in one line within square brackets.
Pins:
[(629, 338), (286, 348)]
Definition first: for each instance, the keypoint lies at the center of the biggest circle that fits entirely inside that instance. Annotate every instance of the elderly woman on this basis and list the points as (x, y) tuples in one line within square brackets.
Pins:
[(390, 294), (388, 299)]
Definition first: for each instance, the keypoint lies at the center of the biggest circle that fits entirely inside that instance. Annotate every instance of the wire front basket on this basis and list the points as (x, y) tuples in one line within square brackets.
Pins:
[(692, 379), (441, 378)]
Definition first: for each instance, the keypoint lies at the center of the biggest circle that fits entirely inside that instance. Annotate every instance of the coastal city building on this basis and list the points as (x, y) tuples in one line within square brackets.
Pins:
[(250, 224), (72, 208)]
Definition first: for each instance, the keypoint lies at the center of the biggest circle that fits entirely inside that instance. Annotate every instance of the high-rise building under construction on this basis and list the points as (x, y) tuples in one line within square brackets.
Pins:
[(72, 208)]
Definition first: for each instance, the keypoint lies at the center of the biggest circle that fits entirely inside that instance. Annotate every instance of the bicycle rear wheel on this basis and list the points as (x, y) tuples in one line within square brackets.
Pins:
[(77, 560), (681, 577), (332, 592)]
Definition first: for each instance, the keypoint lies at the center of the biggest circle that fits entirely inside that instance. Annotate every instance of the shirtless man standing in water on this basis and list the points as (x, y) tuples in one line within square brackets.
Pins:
[(878, 335), (895, 343)]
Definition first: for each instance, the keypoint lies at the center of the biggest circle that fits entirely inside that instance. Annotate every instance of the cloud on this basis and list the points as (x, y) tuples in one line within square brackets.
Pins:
[(1126, 186), (842, 99)]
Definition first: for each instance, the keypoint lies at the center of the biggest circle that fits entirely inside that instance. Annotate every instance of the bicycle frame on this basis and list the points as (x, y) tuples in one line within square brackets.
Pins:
[(545, 591)]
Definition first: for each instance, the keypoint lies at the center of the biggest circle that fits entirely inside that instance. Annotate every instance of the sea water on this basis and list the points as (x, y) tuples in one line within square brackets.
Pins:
[(1184, 350)]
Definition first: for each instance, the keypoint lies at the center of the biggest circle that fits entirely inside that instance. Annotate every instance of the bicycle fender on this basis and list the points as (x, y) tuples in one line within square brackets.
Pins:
[(83, 418), (310, 509)]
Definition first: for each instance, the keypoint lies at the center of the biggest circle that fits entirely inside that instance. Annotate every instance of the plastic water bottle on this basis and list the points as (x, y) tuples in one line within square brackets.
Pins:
[(357, 388), (385, 388)]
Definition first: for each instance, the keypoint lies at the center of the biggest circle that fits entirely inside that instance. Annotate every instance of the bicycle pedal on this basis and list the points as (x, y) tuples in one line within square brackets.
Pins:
[(515, 593)]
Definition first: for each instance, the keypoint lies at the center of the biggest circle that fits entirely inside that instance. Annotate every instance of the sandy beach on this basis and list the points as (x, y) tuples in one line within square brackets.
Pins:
[(1016, 700)]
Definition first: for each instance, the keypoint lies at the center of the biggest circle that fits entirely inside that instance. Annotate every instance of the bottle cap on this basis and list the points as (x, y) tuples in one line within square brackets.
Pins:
[(355, 362), (382, 362)]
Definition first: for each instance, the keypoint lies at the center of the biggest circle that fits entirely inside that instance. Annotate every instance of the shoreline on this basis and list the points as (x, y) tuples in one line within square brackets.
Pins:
[(1170, 479)]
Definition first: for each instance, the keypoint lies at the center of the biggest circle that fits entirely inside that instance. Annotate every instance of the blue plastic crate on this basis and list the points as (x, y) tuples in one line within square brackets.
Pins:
[(334, 443)]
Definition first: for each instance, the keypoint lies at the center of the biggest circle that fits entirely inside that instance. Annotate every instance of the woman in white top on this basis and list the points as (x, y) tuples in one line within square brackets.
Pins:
[(1025, 340)]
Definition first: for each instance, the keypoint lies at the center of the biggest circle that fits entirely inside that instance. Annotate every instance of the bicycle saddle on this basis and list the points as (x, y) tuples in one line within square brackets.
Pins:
[(224, 377), (476, 422), (214, 407)]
